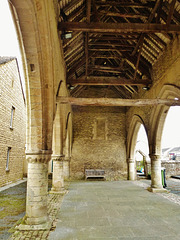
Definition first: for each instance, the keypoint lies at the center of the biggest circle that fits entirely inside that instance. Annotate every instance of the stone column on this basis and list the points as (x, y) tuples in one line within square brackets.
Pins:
[(37, 191), (66, 168), (131, 169), (58, 178), (156, 182)]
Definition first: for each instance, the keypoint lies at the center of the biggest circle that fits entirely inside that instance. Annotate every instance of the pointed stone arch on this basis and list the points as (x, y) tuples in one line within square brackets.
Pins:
[(45, 66), (158, 117), (68, 146), (135, 124)]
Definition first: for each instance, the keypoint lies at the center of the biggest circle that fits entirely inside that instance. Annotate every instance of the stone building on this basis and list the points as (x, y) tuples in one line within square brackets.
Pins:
[(12, 122), (94, 74)]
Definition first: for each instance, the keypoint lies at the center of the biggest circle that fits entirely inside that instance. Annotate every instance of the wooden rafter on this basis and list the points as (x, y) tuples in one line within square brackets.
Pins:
[(104, 38), (141, 40), (88, 19), (171, 11)]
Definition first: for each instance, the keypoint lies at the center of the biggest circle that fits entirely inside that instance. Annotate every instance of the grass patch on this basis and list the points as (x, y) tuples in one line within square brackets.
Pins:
[(11, 206)]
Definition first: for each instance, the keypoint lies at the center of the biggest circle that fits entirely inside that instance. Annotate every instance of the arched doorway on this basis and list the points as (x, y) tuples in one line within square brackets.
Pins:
[(157, 121), (170, 144), (142, 153), (136, 127)]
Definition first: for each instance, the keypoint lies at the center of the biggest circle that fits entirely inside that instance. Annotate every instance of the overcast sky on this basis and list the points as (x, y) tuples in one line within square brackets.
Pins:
[(8, 38), (171, 133)]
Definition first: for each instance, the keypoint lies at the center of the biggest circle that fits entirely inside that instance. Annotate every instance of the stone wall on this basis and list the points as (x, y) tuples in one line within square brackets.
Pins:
[(172, 167), (12, 137), (99, 138)]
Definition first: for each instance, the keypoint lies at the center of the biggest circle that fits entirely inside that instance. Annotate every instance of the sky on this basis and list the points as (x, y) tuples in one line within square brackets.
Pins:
[(170, 135), (8, 38)]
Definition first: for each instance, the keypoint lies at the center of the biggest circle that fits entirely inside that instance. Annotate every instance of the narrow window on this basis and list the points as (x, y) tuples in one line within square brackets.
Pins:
[(12, 115), (7, 161)]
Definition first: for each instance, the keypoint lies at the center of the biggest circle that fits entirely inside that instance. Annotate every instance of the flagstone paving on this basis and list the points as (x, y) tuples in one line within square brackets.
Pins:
[(101, 210), (115, 210)]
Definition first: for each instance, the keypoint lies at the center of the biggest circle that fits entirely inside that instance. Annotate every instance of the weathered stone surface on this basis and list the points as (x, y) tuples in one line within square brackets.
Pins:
[(11, 95)]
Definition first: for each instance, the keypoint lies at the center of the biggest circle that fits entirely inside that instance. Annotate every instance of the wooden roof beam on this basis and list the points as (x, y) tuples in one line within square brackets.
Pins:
[(110, 44), (100, 27), (116, 102), (114, 81), (122, 15), (112, 38), (124, 4)]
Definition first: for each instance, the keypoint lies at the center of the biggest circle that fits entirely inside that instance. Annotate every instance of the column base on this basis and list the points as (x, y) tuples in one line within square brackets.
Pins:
[(43, 226), (157, 190), (57, 191)]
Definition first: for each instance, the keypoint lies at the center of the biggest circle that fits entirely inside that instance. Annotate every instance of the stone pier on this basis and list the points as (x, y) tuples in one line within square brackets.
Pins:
[(37, 191), (58, 177)]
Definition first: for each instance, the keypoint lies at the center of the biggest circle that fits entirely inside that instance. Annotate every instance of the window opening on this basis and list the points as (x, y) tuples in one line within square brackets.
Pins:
[(7, 161), (12, 116)]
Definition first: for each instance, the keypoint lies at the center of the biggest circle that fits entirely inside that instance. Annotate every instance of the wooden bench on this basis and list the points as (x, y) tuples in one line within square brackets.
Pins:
[(94, 173)]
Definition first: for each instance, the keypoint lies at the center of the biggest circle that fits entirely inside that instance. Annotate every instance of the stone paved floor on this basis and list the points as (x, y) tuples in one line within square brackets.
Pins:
[(108, 210), (115, 210), (12, 206)]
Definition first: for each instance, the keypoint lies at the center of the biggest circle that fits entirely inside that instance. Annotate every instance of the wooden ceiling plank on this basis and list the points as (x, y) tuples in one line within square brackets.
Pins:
[(78, 65), (69, 41), (77, 91), (122, 92), (78, 11), (143, 69), (70, 5)]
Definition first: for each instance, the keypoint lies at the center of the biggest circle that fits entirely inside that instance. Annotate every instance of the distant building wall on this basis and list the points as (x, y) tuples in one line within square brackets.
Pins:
[(172, 167), (99, 139), (12, 123)]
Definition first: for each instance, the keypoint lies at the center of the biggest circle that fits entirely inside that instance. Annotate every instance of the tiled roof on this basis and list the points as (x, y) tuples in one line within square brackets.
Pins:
[(4, 60)]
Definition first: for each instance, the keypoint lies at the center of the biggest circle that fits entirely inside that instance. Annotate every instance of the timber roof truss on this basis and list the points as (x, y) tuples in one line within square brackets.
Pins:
[(117, 42)]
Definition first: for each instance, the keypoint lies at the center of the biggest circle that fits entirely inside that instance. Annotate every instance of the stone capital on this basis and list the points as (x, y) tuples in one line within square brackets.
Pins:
[(154, 157), (42, 156), (59, 158), (130, 160), (67, 159)]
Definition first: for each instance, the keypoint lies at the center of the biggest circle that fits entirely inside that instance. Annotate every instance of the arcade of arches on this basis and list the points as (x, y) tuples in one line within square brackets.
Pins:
[(102, 131)]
